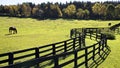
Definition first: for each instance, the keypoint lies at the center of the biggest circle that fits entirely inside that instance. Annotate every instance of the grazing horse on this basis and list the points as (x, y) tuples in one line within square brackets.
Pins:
[(12, 30), (109, 24)]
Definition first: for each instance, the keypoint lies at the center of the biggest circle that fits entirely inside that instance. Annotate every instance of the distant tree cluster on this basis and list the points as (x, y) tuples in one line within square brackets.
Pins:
[(72, 10)]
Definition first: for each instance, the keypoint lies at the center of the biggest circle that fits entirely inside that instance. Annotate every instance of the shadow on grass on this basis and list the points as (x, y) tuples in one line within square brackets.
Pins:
[(99, 59), (102, 57), (7, 34), (49, 63)]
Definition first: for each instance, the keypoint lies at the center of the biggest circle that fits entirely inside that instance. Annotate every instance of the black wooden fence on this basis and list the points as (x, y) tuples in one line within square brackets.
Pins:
[(116, 28), (35, 56), (43, 51)]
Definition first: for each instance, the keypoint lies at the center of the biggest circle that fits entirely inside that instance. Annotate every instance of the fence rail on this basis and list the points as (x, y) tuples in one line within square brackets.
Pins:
[(57, 50)]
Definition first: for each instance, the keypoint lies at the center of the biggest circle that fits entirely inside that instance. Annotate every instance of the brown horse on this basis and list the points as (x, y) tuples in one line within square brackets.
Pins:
[(12, 30)]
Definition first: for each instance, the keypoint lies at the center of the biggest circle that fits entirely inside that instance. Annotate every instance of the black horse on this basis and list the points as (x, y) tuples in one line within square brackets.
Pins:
[(109, 24), (12, 30)]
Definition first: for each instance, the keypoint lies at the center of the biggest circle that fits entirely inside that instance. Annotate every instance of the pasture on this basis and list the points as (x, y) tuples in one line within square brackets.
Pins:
[(33, 33)]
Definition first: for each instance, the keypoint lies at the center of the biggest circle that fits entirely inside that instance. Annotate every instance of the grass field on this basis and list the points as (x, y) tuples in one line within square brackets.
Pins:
[(33, 33)]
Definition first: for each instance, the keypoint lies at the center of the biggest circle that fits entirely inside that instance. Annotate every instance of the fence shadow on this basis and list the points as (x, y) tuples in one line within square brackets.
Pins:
[(102, 57), (99, 59), (49, 63), (7, 34)]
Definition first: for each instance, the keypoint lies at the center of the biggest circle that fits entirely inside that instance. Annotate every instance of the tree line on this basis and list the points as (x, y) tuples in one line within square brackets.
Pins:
[(71, 10)]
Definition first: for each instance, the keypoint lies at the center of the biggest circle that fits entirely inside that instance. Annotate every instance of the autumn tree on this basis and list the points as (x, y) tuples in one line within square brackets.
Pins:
[(99, 10), (70, 11), (34, 11), (6, 10), (25, 10), (79, 10)]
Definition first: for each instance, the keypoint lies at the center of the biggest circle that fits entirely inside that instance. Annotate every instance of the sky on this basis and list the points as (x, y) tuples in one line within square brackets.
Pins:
[(15, 2)]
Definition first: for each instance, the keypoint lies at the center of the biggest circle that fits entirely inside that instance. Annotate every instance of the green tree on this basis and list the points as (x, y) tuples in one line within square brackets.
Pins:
[(117, 11), (80, 13), (86, 14), (110, 11), (1, 9)]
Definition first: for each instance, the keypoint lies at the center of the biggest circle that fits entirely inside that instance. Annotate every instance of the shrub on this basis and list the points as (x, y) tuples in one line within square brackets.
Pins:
[(110, 36)]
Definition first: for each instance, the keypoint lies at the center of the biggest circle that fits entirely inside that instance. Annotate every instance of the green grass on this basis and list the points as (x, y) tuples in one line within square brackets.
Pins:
[(34, 33)]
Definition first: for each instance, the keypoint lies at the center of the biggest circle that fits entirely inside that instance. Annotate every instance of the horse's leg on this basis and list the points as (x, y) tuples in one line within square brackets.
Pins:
[(13, 31), (10, 31), (16, 31)]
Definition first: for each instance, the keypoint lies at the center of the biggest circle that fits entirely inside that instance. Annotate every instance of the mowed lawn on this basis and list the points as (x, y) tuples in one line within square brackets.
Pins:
[(34, 33)]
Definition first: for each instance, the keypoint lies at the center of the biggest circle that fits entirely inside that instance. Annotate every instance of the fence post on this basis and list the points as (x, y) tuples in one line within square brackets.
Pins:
[(105, 41), (11, 58), (90, 31), (86, 56), (74, 39), (71, 33), (99, 48), (65, 46), (84, 32), (36, 52), (101, 44), (96, 34), (94, 52), (101, 37), (99, 30), (55, 57), (83, 42), (37, 56), (56, 62), (53, 47), (102, 41), (75, 33), (80, 41), (75, 59)]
